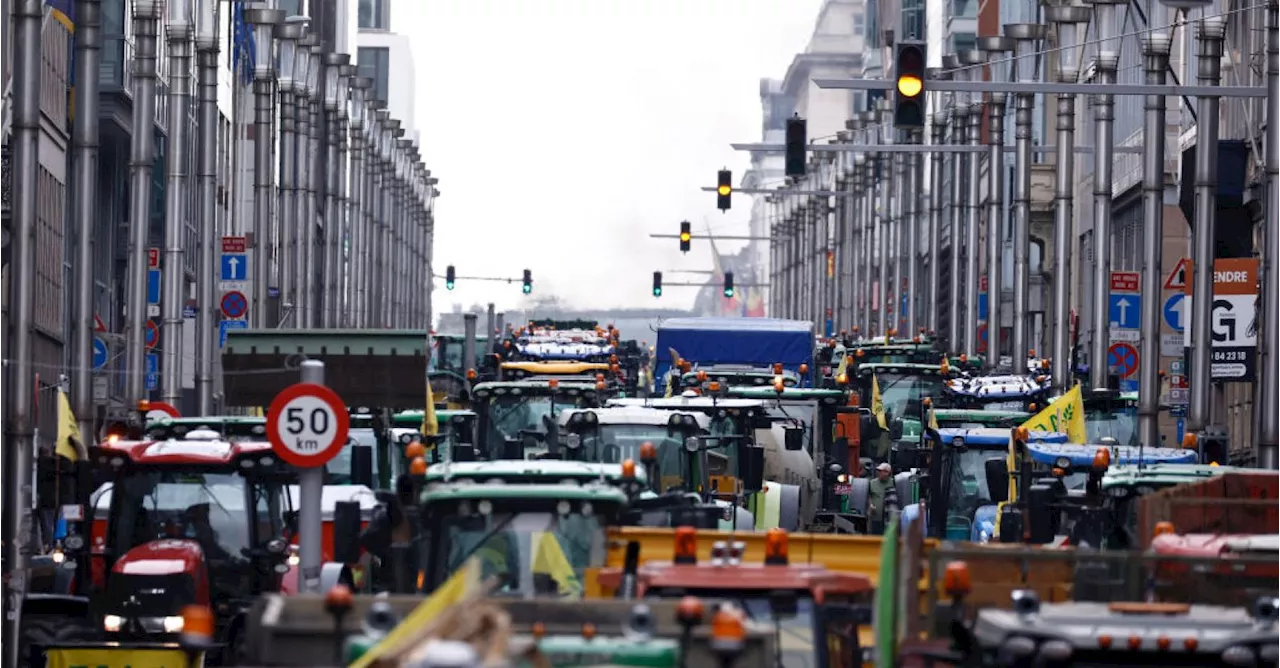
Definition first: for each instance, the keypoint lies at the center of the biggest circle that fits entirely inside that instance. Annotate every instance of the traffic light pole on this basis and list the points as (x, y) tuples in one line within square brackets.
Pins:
[(1054, 88), (917, 148), (715, 237)]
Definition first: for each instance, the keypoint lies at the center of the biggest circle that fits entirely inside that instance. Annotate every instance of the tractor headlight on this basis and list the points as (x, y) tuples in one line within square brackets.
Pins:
[(173, 625), (1062, 462), (112, 623), (691, 444), (573, 441)]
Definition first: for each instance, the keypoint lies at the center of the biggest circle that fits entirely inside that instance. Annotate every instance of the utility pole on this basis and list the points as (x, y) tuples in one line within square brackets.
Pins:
[(207, 186), (996, 50), (1269, 387), (178, 30), (263, 23), (84, 158), (19, 446), (1105, 63), (1212, 29), (1028, 37), (1156, 59), (1066, 19), (142, 158)]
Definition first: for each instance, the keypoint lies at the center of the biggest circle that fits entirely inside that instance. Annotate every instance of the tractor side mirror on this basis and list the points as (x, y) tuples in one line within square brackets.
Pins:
[(463, 452), (346, 532), (751, 468), (793, 438), (362, 465), (997, 473), (895, 429)]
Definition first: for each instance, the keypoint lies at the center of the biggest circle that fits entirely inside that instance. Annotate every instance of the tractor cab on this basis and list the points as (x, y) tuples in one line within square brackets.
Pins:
[(613, 434), (1111, 414), (516, 416), (902, 389), (198, 520), (819, 617)]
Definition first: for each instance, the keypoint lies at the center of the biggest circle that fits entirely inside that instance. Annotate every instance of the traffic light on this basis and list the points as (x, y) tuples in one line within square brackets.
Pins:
[(908, 105), (528, 282), (657, 284), (797, 133), (728, 284), (449, 276), (686, 235), (724, 190)]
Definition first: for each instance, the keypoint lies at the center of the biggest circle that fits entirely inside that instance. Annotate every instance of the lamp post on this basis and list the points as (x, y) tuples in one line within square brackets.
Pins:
[(1105, 62), (84, 157), (263, 22), (359, 229), (310, 279), (1156, 61), (1028, 36), (344, 240), (1066, 19), (973, 136), (1212, 30), (333, 63), (956, 215), (287, 37), (179, 30), (997, 50), (20, 425), (142, 159), (207, 186), (869, 233)]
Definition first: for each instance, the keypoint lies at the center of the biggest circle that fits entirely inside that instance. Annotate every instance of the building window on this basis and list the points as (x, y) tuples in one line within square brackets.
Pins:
[(859, 23), (375, 62), (374, 15), (963, 41), (290, 7)]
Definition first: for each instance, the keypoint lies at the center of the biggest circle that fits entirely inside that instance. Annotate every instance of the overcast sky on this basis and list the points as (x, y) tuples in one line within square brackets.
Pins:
[(564, 132)]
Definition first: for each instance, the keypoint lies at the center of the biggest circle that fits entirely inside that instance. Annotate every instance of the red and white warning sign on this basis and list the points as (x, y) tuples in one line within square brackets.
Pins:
[(307, 424), (1177, 279)]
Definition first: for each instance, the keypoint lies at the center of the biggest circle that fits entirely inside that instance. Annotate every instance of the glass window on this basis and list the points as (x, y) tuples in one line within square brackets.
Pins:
[(208, 508), (613, 443), (373, 14), (509, 414), (527, 552), (291, 7), (374, 62), (898, 389)]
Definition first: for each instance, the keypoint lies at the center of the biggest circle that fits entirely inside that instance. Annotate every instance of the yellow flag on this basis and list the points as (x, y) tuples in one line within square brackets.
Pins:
[(68, 429), (877, 405), (429, 425), (459, 586), (844, 362), (1064, 414), (549, 558), (933, 420)]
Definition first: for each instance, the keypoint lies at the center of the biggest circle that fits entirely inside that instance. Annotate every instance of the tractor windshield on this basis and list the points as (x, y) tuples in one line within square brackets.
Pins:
[(530, 553), (507, 415), (968, 484), (1118, 422), (897, 390), (613, 443)]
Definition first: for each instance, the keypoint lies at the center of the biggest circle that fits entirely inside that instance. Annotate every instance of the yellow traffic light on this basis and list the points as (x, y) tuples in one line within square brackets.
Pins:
[(685, 236), (910, 85), (724, 191)]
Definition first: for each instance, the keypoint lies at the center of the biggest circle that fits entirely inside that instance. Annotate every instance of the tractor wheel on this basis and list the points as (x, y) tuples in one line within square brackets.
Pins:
[(50, 631)]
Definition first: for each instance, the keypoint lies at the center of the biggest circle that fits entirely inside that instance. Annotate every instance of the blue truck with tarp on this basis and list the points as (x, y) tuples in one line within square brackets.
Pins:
[(755, 342)]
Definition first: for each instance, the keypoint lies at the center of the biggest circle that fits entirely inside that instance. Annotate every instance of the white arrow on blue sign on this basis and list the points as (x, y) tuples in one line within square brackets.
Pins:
[(235, 266), (100, 353), (1175, 309), (1126, 311)]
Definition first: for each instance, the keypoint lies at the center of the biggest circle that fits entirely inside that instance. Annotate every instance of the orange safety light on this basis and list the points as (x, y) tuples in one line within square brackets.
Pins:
[(1135, 642), (599, 377), (415, 450), (1191, 644), (727, 630), (197, 622), (648, 452), (777, 368), (1163, 528), (1032, 407), (418, 466), (713, 386), (538, 630), (337, 599), (1101, 459), (588, 631), (553, 383), (804, 369), (686, 545), (964, 357), (859, 352), (629, 469), (613, 359), (1059, 472), (690, 611), (600, 386), (702, 376), (775, 548), (1189, 440), (1021, 434), (1162, 643), (955, 580), (842, 379), (471, 374), (778, 385), (1104, 641)]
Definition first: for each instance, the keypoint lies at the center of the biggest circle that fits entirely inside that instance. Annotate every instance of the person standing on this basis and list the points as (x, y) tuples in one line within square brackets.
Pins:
[(880, 494)]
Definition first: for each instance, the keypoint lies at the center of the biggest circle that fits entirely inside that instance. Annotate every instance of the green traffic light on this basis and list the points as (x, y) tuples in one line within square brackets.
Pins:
[(527, 288), (728, 292), (657, 292), (448, 285)]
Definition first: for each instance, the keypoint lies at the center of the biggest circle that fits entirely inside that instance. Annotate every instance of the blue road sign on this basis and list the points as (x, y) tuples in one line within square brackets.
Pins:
[(1174, 308), (189, 311), (982, 306), (1182, 429), (234, 304), (906, 306), (153, 372), (1128, 386), (153, 286), (235, 266), (1126, 310), (226, 325), (99, 353)]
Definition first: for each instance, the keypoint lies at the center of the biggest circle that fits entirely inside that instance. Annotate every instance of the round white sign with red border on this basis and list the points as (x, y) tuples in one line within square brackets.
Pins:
[(307, 424), (159, 410)]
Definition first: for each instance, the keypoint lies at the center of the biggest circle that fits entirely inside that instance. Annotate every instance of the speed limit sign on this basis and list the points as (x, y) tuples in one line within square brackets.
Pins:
[(307, 424)]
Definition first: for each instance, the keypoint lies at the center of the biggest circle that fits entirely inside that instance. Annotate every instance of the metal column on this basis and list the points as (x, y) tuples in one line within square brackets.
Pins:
[(344, 241), (995, 229), (263, 22), (207, 222), (359, 228), (899, 209), (179, 31), (1104, 139), (19, 446), (1269, 354), (957, 341), (1156, 47), (1028, 36), (1209, 72), (973, 135), (84, 160), (935, 222), (911, 225), (142, 159)]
